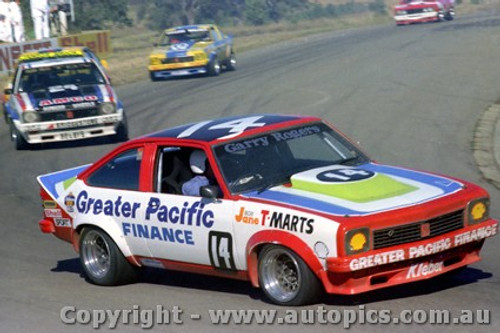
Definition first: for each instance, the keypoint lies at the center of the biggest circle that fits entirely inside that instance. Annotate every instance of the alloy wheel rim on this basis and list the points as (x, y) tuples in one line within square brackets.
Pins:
[(96, 254), (281, 275)]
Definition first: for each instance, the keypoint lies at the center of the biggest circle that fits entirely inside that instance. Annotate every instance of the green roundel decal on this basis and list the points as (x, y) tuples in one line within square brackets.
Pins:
[(352, 184)]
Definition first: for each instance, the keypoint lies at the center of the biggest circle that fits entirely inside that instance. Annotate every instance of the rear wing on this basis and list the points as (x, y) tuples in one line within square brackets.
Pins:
[(57, 182)]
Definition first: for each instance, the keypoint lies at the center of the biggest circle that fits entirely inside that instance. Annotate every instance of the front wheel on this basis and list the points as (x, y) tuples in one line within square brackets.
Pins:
[(213, 67), (16, 137), (153, 77), (285, 278), (122, 131), (102, 261)]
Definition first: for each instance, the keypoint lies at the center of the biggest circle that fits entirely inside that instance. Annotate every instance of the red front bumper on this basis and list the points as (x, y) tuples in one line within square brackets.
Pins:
[(408, 262)]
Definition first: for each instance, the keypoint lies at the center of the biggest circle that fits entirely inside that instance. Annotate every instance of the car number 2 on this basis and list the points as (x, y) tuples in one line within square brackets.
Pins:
[(220, 248)]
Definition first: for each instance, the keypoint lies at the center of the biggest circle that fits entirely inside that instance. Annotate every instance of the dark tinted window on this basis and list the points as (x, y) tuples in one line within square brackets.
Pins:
[(253, 163), (122, 172)]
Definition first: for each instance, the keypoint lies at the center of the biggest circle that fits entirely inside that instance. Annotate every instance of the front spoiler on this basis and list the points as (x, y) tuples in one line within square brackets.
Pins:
[(179, 72), (342, 277), (68, 130), (418, 18)]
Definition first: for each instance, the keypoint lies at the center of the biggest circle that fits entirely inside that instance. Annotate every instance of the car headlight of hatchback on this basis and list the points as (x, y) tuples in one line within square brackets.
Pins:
[(478, 210), (107, 108), (401, 12), (199, 56), (357, 241), (155, 61), (31, 117)]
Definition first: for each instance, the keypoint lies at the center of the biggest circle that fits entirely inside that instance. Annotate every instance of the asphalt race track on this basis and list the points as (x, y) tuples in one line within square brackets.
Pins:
[(410, 95)]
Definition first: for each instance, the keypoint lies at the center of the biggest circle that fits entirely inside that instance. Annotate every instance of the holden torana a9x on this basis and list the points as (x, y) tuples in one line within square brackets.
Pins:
[(60, 95), (192, 50), (419, 11), (290, 205)]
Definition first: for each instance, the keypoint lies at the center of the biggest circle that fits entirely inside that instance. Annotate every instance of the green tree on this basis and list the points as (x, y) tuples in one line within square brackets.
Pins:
[(378, 6), (99, 14), (256, 12)]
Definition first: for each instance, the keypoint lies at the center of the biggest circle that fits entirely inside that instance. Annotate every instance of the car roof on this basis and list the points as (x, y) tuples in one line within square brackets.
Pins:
[(54, 62), (53, 53), (230, 127), (190, 27)]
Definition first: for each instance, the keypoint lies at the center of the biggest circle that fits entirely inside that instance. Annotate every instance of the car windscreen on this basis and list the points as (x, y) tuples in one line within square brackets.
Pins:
[(185, 36), (269, 159), (41, 78)]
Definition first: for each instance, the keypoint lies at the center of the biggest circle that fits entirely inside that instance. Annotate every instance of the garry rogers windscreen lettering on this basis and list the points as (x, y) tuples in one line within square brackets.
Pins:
[(263, 141), (420, 251), (192, 214)]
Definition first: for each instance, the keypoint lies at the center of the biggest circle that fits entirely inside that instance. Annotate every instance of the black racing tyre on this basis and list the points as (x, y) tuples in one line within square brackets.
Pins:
[(122, 131), (102, 261), (231, 62), (450, 15), (19, 141), (213, 67), (5, 117), (285, 278)]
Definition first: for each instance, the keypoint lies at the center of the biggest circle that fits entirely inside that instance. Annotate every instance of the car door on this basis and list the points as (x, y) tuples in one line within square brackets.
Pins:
[(112, 198), (187, 228)]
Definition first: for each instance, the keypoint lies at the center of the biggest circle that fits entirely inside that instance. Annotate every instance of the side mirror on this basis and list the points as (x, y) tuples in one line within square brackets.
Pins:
[(209, 192), (7, 91)]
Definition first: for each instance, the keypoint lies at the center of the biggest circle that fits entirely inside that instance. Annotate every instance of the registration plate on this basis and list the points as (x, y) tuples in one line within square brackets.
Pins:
[(73, 135)]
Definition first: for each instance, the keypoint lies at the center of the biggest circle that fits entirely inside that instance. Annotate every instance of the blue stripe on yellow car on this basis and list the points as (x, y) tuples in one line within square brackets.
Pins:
[(180, 49)]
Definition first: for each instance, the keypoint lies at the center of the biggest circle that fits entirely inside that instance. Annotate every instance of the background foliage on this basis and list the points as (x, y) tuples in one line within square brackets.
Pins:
[(160, 14)]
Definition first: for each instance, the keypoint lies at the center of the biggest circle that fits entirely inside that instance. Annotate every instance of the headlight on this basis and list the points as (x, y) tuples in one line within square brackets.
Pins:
[(31, 117), (107, 108), (478, 210), (200, 56), (154, 61), (401, 12), (428, 10), (357, 241)]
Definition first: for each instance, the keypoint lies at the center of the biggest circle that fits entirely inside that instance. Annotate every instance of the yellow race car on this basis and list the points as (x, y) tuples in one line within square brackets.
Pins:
[(192, 50)]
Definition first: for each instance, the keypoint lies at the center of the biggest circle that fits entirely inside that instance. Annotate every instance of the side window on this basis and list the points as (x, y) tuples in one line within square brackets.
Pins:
[(122, 172), (172, 169)]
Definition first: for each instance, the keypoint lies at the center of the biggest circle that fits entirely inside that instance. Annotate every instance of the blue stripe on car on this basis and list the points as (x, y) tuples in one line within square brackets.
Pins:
[(50, 180)]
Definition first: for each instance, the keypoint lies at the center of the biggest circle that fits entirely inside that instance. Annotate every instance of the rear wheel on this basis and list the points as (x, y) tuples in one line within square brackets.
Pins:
[(231, 62), (102, 261), (285, 278), (450, 15)]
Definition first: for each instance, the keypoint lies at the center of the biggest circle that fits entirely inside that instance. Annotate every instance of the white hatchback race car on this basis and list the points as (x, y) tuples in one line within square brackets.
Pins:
[(285, 202), (61, 95)]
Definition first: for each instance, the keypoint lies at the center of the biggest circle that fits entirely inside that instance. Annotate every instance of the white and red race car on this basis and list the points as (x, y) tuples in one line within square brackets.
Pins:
[(418, 11), (290, 205), (62, 94)]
